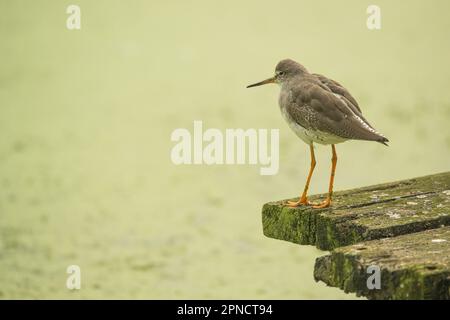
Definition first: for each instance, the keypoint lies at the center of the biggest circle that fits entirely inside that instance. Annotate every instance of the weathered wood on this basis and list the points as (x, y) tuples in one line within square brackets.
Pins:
[(374, 212), (413, 266)]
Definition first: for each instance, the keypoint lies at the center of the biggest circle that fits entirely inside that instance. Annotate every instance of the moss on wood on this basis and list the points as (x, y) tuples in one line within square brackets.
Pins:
[(413, 266), (374, 212)]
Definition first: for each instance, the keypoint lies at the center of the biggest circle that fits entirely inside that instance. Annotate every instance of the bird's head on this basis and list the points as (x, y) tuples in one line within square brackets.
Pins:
[(285, 70)]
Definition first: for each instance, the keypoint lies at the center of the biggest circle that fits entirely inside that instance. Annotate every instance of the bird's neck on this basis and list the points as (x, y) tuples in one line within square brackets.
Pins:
[(290, 82)]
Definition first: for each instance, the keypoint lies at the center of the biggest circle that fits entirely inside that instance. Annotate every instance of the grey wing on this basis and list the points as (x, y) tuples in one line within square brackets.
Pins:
[(337, 88), (343, 94), (323, 111)]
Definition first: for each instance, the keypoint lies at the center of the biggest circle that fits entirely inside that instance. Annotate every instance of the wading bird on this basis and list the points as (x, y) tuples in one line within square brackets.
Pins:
[(319, 110)]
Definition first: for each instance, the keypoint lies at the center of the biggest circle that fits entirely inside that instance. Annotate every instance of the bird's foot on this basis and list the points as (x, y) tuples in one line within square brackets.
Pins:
[(303, 201), (324, 204)]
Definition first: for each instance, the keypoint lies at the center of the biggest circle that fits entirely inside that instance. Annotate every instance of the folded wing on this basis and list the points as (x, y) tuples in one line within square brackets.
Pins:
[(330, 109)]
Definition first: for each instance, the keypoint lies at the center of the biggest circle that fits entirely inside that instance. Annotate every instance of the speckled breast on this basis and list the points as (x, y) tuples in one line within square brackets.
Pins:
[(308, 135)]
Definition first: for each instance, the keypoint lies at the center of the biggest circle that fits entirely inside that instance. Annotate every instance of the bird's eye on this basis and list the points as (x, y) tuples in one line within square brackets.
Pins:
[(280, 73)]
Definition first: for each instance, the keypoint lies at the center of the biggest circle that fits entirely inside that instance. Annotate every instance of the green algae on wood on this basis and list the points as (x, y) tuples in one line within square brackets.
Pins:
[(368, 213), (413, 266)]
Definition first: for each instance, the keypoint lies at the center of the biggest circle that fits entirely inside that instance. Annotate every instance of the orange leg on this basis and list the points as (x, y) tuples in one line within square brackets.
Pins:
[(303, 198), (327, 201)]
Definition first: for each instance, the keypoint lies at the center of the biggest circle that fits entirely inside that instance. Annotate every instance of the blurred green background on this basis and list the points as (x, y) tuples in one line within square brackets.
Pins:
[(86, 117)]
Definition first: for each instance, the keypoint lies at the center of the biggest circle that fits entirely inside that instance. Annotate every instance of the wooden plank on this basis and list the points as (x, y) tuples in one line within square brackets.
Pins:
[(413, 266), (374, 212)]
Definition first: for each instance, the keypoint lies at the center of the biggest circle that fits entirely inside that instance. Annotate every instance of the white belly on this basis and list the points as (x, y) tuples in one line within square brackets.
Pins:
[(310, 136)]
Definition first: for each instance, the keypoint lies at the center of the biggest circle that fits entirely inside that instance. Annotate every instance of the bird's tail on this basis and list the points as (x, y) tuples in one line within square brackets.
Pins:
[(383, 140)]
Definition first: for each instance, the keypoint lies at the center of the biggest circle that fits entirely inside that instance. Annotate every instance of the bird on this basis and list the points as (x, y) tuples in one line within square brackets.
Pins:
[(319, 110)]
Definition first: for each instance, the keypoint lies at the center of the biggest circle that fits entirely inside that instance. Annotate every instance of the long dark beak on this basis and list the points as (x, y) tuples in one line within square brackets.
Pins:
[(270, 80)]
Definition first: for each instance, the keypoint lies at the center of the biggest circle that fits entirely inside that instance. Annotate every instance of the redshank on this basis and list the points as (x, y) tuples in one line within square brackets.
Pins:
[(319, 110)]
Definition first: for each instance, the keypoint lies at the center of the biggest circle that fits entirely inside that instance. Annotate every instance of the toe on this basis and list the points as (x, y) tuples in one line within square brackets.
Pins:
[(293, 204), (324, 204)]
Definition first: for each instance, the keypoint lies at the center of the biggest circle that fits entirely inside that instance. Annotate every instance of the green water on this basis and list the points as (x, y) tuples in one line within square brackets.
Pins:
[(86, 117)]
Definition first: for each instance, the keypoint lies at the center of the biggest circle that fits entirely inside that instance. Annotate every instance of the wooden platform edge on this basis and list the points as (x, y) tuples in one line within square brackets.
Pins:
[(368, 213), (413, 266)]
